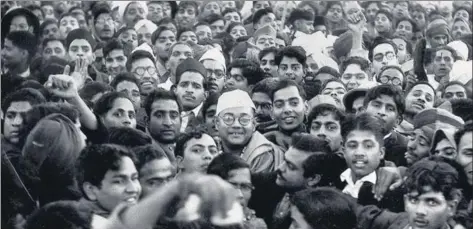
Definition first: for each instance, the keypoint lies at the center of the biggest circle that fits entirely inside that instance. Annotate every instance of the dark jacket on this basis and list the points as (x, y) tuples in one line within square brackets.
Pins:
[(396, 146)]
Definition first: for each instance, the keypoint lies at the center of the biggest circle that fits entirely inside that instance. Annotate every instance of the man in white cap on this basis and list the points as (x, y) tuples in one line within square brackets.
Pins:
[(236, 125), (145, 28), (214, 62)]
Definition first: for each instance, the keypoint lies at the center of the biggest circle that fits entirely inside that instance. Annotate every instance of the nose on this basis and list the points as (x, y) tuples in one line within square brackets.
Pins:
[(167, 120), (17, 121), (411, 145), (420, 210), (321, 133), (207, 155), (132, 187), (382, 111)]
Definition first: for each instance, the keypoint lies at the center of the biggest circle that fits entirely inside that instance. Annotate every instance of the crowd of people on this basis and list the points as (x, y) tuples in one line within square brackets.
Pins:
[(234, 114)]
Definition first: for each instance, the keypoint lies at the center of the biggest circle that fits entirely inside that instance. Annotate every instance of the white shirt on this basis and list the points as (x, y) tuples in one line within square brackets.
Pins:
[(432, 81), (354, 188), (25, 74), (166, 85), (185, 116)]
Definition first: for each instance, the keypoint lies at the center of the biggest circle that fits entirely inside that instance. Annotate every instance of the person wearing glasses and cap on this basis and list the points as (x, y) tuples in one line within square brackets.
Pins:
[(236, 125)]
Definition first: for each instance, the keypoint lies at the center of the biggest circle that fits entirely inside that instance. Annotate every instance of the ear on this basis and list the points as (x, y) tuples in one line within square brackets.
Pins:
[(206, 94), (93, 58), (174, 88), (399, 119), (408, 56), (90, 191), (452, 207), (382, 150), (313, 181), (179, 160)]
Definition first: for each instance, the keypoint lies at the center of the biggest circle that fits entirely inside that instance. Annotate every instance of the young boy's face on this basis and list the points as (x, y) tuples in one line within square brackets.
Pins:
[(385, 108), (363, 152), (429, 209)]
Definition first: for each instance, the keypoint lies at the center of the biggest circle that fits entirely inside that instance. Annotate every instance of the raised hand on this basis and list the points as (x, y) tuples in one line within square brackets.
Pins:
[(62, 85), (80, 72), (356, 22)]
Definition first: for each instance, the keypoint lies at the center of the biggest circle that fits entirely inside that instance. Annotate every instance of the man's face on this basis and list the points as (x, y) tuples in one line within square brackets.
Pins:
[(335, 13), (210, 120), (179, 53), (120, 186), (186, 16), (268, 64), (211, 8), (265, 41), (454, 91), (190, 90), (164, 42), (232, 17), (363, 152), (464, 158), (198, 153), (154, 175), (19, 23), (236, 80), (291, 172), (133, 14), (268, 19), (81, 20), (462, 14), (217, 27), (288, 108), (51, 31), (188, 36), (438, 40), (384, 107), (382, 23), (236, 126), (419, 18), (401, 10), (392, 77), (371, 11), (203, 32), (429, 209), (336, 90), (238, 31), (323, 77), (81, 49), (164, 121), (353, 76), (444, 148), (280, 43), (443, 62), (418, 147), (144, 35), (14, 120), (312, 66), (327, 127), (419, 98), (357, 106), (133, 92), (145, 71), (459, 29), (263, 106), (48, 11), (217, 78), (305, 26), (121, 114), (54, 48), (12, 56), (227, 4), (290, 68), (155, 11), (241, 178), (383, 55), (405, 29), (115, 62), (129, 38), (258, 5), (167, 11), (402, 54), (66, 25), (105, 26)]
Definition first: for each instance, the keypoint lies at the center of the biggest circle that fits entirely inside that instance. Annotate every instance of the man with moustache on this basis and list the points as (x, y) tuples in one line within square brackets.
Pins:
[(214, 61), (261, 96)]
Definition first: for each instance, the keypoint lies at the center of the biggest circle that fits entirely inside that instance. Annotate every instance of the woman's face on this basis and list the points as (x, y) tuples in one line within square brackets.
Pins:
[(335, 13)]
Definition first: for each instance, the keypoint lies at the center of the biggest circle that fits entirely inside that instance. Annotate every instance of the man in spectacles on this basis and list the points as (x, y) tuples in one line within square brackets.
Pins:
[(142, 64), (236, 125), (103, 24), (214, 62), (391, 75), (384, 53)]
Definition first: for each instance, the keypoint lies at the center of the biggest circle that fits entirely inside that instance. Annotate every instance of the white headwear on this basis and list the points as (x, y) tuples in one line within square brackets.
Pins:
[(461, 71), (122, 5), (306, 41), (214, 54), (145, 47), (461, 48), (146, 23), (235, 98), (322, 60)]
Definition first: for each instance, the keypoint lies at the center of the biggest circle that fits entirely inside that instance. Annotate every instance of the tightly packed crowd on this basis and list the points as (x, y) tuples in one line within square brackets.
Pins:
[(234, 114)]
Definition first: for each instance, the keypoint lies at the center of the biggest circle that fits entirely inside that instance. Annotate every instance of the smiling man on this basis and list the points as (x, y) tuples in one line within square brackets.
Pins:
[(291, 63)]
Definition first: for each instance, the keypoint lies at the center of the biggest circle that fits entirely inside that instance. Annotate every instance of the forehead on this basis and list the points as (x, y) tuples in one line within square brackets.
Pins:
[(288, 92), (165, 105), (353, 68), (122, 103), (134, 5), (188, 33), (392, 72), (383, 48), (455, 87), (126, 85), (296, 156), (385, 99), (19, 19), (55, 43), (399, 41), (142, 62), (202, 27), (443, 143), (204, 140), (182, 47), (422, 87), (127, 167), (361, 135), (443, 52), (217, 22), (237, 111), (405, 22), (465, 141), (260, 96), (156, 166), (239, 174), (269, 55), (192, 77), (19, 106), (428, 193), (238, 27), (68, 18), (116, 52), (80, 42), (326, 116), (289, 60), (334, 84), (166, 33)]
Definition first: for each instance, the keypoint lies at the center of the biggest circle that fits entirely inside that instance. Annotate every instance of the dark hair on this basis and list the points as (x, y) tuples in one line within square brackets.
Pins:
[(45, 23), (189, 3), (113, 44), (233, 25), (468, 127), (222, 164), (292, 52), (328, 70), (362, 62), (395, 67), (147, 153), (423, 83), (266, 51), (158, 32), (388, 90), (128, 137), (462, 108), (105, 103), (93, 88), (231, 10), (285, 83), (211, 100), (265, 86), (24, 40), (29, 95), (249, 69), (159, 94), (211, 18), (124, 76), (138, 54), (260, 13), (96, 160), (182, 30), (330, 4), (309, 143), (413, 23), (201, 23), (47, 40), (363, 122), (435, 173), (447, 48), (378, 41), (388, 14), (298, 14), (338, 80), (312, 5), (166, 20), (61, 214), (328, 166), (325, 109), (409, 47), (325, 208), (184, 138)]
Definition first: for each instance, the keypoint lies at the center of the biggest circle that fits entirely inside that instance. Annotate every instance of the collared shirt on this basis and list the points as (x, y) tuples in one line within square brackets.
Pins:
[(354, 188), (186, 114)]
